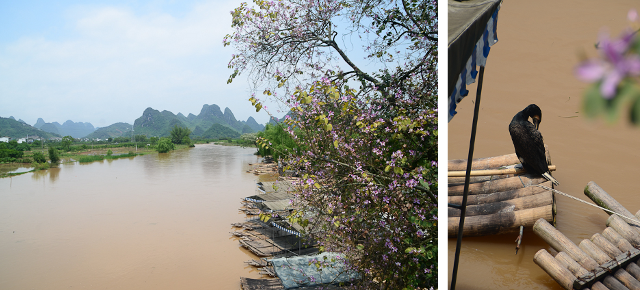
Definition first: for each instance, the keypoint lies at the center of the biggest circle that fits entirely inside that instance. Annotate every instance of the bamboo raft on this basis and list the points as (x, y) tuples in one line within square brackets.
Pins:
[(501, 197), (608, 260)]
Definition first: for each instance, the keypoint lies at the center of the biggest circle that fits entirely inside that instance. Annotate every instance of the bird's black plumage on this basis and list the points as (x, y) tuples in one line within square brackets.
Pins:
[(528, 141)]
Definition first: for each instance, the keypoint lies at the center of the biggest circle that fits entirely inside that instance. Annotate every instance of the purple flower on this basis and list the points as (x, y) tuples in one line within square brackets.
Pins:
[(632, 15), (614, 65)]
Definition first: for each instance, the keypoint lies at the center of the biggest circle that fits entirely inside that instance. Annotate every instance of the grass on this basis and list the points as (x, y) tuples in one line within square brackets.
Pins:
[(90, 158)]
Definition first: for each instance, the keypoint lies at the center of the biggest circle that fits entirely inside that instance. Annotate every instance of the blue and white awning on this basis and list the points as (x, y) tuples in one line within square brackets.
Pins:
[(478, 55), (285, 229), (254, 200)]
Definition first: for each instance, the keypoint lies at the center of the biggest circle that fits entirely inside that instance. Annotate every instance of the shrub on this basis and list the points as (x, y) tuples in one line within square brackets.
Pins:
[(10, 153), (54, 156), (165, 145), (90, 158), (39, 157), (41, 166), (109, 152)]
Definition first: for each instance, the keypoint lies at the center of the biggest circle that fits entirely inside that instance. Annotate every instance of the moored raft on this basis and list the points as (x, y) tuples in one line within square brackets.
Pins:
[(605, 261), (497, 202)]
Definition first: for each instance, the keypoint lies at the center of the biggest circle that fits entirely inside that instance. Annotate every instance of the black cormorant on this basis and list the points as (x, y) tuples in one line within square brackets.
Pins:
[(528, 142)]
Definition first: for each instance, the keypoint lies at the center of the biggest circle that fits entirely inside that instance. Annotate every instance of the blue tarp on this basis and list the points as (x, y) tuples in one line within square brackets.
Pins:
[(303, 271)]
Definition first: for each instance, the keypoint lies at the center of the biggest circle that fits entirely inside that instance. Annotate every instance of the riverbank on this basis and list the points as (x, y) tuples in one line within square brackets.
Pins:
[(71, 157)]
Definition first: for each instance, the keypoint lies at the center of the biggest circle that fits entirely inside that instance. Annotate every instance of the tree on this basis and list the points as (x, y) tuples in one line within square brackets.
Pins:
[(141, 138), (39, 157), (165, 145), (54, 156), (186, 140), (66, 143), (368, 138), (178, 135), (281, 142)]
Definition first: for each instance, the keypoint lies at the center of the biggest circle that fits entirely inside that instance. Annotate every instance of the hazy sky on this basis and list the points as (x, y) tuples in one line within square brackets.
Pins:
[(107, 61)]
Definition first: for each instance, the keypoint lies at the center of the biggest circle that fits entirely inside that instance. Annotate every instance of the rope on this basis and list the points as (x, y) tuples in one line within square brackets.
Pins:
[(635, 221)]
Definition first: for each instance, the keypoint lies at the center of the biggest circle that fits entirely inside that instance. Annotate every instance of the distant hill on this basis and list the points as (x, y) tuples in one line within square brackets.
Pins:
[(114, 130), (15, 129), (220, 131), (68, 128), (19, 120), (251, 122), (156, 123)]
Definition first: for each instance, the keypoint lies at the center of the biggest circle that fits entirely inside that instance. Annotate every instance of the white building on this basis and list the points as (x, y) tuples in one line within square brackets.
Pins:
[(5, 139), (22, 140)]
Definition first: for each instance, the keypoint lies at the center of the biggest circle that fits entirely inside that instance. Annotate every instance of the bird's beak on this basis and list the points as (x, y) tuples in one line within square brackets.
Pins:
[(536, 122)]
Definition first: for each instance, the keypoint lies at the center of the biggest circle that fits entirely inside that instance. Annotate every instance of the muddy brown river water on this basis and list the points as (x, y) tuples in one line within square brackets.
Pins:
[(159, 221), (539, 44)]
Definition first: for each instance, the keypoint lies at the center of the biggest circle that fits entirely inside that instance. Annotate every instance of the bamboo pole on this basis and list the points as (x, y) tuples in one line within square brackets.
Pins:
[(474, 179), (560, 243), (499, 196), (613, 284), (626, 279), (634, 270), (555, 269), (610, 249), (594, 252), (516, 204), (498, 223), (623, 245), (571, 265), (598, 286), (491, 162), (484, 163), (624, 229), (519, 239), (490, 172), (504, 184), (603, 199)]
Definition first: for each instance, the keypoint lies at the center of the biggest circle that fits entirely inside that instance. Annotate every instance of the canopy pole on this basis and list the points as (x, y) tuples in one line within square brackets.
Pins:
[(467, 178)]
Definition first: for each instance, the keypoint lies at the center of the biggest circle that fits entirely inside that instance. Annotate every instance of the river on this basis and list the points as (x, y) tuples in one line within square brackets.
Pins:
[(158, 221), (539, 45)]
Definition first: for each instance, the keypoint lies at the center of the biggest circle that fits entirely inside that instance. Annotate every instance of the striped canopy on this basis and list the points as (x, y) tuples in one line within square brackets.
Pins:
[(472, 32)]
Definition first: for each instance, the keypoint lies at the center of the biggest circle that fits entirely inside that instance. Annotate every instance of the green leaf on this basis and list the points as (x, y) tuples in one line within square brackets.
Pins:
[(386, 169), (328, 127), (594, 104), (615, 105), (635, 110), (335, 143), (360, 247)]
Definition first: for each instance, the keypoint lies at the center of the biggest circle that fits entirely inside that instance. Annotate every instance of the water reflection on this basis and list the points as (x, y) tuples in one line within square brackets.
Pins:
[(53, 174)]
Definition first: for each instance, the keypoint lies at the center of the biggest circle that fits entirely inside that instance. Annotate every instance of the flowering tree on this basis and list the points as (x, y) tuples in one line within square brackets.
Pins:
[(367, 139), (614, 74)]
